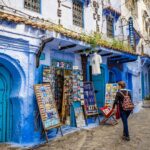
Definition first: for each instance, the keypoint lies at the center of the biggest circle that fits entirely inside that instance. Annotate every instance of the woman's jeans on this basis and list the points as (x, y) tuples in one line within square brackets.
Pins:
[(124, 116)]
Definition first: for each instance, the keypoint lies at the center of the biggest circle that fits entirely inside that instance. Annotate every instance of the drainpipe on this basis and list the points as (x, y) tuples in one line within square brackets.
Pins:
[(42, 45)]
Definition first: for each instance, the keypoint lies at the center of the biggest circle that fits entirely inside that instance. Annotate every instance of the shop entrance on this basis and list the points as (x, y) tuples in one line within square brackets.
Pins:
[(5, 105), (99, 86)]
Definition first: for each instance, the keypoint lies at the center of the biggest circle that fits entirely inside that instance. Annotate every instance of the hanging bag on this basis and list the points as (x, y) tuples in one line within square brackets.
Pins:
[(127, 103)]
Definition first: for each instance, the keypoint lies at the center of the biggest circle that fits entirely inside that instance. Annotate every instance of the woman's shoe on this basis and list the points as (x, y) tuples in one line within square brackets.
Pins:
[(126, 138)]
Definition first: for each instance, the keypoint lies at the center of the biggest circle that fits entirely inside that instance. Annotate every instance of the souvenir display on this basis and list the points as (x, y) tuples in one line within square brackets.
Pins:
[(47, 106), (66, 102), (59, 82), (79, 116), (62, 64), (111, 90), (78, 92), (49, 76), (89, 99)]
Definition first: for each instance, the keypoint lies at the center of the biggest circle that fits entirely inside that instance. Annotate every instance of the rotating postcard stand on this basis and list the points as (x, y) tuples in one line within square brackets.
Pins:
[(47, 108), (90, 106)]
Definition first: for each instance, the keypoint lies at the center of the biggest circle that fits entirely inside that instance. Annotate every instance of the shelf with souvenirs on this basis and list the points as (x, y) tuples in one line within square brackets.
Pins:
[(78, 92), (67, 85), (59, 82), (66, 100), (78, 97)]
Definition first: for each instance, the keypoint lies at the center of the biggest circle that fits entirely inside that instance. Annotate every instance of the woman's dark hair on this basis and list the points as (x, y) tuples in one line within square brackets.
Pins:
[(122, 84)]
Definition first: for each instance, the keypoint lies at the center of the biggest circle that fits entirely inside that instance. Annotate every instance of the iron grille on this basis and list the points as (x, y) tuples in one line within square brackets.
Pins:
[(33, 5), (110, 27), (77, 13)]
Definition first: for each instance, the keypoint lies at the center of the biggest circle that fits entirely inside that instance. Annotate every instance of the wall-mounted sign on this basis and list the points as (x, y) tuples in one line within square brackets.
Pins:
[(131, 32), (59, 11), (62, 64), (96, 15)]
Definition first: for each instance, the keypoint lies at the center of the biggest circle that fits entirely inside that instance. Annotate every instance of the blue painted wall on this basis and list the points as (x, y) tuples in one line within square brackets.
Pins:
[(21, 70)]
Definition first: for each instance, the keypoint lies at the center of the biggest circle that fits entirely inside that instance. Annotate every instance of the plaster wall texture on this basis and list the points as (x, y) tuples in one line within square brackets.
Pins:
[(146, 80), (135, 69)]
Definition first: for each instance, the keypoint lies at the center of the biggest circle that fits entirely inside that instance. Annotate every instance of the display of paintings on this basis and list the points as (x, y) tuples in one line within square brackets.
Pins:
[(47, 106), (62, 64), (110, 94), (78, 92), (89, 99), (66, 102), (49, 76), (79, 116)]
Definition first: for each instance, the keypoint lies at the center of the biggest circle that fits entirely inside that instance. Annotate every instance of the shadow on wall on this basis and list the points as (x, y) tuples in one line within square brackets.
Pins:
[(18, 81)]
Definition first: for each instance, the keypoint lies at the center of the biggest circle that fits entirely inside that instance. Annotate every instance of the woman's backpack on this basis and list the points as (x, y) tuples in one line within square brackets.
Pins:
[(127, 103)]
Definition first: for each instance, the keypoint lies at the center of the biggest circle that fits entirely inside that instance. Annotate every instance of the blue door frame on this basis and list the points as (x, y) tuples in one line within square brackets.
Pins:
[(5, 106)]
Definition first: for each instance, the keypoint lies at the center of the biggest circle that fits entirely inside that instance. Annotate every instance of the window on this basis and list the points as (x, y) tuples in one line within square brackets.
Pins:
[(77, 13), (110, 27), (33, 5)]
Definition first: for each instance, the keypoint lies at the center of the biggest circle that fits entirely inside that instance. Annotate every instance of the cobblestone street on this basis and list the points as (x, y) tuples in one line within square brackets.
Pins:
[(104, 137), (108, 137)]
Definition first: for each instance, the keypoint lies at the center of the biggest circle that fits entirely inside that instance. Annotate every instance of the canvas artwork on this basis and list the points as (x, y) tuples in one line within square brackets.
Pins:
[(110, 94), (79, 116), (89, 98), (47, 106)]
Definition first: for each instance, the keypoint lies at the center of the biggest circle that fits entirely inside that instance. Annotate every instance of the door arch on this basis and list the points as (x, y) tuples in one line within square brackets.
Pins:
[(5, 105)]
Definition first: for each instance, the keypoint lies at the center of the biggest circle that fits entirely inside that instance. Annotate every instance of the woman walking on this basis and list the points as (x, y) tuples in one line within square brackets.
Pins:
[(123, 99)]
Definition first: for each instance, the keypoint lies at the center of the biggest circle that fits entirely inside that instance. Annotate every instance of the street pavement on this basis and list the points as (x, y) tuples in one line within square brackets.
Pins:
[(104, 137)]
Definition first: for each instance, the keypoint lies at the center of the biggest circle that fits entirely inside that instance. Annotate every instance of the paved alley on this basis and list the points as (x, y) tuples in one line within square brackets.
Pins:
[(108, 137)]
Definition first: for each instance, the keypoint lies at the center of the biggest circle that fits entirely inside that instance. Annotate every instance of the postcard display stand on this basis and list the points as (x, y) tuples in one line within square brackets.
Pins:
[(110, 94), (49, 76), (78, 97), (90, 105), (47, 107)]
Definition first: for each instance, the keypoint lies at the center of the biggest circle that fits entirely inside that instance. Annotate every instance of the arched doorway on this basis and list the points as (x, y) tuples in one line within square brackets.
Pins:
[(5, 105)]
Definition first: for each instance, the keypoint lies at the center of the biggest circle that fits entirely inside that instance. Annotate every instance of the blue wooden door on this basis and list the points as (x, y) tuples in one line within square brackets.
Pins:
[(5, 105), (99, 86)]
